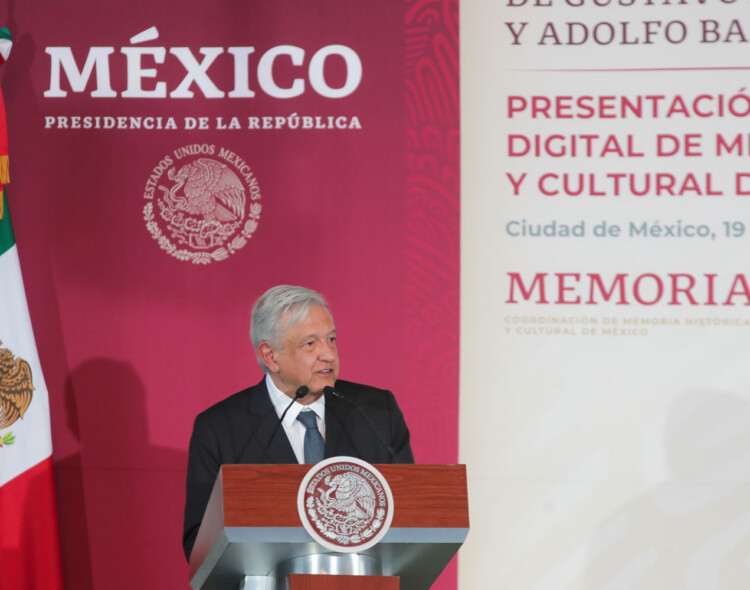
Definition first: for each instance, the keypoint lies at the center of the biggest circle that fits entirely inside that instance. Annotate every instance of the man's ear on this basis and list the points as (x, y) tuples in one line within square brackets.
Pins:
[(267, 354)]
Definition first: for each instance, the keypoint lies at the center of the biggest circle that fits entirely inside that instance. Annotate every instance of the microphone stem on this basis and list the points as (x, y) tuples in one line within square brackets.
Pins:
[(335, 393), (299, 394)]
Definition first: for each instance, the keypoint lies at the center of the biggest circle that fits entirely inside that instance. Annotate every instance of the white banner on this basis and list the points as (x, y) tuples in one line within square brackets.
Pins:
[(605, 230)]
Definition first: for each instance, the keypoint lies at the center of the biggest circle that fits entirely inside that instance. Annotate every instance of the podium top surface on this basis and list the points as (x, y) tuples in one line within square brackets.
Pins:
[(255, 507)]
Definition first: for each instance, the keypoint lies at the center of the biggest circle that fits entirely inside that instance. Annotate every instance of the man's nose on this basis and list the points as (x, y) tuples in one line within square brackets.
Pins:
[(328, 351)]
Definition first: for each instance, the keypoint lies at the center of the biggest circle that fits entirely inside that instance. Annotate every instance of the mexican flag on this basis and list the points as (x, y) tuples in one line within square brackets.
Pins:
[(29, 543)]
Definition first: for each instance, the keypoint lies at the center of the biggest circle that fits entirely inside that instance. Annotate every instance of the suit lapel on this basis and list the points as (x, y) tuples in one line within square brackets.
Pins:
[(263, 421), (338, 439)]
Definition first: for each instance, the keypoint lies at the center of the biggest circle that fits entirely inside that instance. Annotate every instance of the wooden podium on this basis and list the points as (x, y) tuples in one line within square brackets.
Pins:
[(251, 537)]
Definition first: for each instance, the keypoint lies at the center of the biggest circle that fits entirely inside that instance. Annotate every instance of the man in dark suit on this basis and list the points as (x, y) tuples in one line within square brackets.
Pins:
[(295, 341)]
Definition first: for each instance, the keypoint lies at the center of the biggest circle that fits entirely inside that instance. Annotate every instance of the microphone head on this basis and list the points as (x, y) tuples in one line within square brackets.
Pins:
[(328, 390), (301, 392)]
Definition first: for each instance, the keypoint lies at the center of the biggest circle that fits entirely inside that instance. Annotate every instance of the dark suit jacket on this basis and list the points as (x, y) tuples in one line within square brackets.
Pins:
[(237, 429)]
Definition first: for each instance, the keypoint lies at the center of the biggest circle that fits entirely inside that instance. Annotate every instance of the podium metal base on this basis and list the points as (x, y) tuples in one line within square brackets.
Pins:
[(332, 564), (256, 583)]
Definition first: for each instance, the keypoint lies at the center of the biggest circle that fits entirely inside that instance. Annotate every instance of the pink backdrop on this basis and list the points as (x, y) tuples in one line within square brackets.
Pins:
[(135, 342)]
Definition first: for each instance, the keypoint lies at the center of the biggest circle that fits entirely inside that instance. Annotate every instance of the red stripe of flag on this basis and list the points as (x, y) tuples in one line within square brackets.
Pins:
[(29, 541)]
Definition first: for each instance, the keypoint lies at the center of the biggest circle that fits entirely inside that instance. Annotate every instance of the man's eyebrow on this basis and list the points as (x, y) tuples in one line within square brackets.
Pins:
[(314, 335)]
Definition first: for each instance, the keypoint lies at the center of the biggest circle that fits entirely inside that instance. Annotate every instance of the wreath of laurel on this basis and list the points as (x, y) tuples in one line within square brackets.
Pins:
[(221, 253), (356, 538)]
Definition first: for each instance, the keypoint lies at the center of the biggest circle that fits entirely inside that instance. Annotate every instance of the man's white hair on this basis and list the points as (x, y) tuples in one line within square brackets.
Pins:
[(277, 310)]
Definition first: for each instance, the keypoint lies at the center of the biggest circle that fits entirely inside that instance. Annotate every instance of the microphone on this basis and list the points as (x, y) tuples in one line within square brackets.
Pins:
[(331, 391), (299, 394)]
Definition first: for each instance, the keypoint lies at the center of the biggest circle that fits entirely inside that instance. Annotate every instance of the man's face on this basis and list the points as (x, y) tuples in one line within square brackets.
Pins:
[(308, 355)]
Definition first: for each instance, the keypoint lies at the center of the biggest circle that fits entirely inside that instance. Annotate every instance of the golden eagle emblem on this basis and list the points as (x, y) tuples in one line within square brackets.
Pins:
[(211, 190), (16, 387)]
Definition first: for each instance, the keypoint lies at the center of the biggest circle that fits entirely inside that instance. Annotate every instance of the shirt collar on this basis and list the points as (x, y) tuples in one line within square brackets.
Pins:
[(280, 401)]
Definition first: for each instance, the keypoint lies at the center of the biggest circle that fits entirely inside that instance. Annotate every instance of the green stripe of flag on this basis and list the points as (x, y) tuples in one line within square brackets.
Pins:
[(7, 239), (6, 41)]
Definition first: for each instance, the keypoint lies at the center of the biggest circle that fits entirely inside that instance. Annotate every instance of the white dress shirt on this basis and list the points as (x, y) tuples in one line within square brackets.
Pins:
[(295, 430)]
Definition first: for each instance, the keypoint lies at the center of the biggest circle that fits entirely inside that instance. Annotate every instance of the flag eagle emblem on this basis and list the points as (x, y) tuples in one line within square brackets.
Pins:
[(16, 387)]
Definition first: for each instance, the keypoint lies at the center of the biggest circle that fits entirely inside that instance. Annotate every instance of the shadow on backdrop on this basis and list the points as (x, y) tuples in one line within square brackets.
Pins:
[(121, 498), (691, 530)]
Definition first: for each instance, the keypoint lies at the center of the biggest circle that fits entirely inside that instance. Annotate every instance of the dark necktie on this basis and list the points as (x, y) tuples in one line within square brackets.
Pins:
[(314, 444)]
